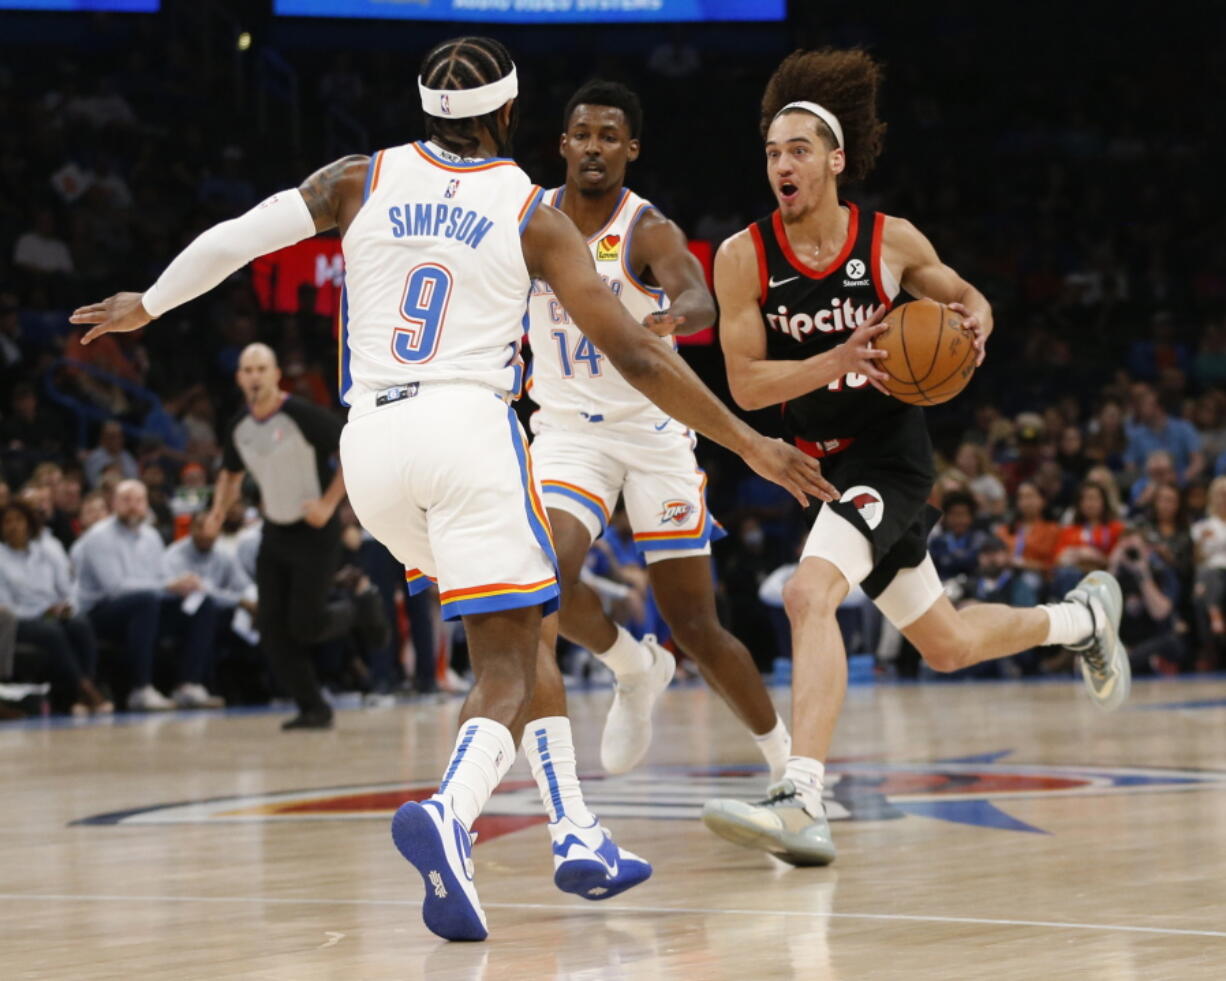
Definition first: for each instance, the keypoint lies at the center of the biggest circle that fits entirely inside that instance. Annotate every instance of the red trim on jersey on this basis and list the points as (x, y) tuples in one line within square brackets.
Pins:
[(875, 259), (853, 231), (827, 447), (760, 247)]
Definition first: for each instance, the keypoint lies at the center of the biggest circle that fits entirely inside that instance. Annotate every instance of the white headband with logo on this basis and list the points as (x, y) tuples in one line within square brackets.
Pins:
[(822, 113), (463, 103)]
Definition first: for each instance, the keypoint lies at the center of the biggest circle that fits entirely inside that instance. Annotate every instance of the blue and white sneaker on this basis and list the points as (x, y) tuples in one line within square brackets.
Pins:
[(430, 836), (588, 863)]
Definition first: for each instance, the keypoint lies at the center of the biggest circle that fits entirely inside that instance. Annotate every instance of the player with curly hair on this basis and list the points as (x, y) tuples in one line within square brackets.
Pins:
[(802, 294)]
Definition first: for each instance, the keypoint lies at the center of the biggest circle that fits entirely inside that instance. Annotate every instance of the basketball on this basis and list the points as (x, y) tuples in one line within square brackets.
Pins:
[(932, 356)]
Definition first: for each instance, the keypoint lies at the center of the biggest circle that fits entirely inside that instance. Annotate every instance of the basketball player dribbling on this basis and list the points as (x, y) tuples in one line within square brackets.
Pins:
[(442, 238), (597, 438), (801, 295)]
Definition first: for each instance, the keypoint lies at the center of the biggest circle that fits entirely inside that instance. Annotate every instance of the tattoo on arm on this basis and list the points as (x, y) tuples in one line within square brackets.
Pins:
[(322, 190)]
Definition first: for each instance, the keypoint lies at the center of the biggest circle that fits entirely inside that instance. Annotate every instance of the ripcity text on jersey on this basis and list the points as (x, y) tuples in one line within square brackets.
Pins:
[(569, 373), (435, 279), (809, 311)]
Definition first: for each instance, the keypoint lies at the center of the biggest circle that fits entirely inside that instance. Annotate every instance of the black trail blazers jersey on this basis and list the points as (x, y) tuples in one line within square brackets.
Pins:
[(808, 312)]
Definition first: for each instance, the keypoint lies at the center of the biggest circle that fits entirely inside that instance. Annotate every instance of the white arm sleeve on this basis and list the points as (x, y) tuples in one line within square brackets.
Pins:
[(280, 221)]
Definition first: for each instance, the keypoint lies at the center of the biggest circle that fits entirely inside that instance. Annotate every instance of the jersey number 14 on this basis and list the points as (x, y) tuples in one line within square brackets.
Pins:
[(585, 352)]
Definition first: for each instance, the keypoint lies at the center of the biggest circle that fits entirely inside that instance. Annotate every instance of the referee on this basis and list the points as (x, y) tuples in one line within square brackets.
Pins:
[(287, 444)]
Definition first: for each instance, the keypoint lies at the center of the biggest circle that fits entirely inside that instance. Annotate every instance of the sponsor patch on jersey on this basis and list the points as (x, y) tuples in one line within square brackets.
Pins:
[(868, 502), (856, 273), (608, 248), (677, 512)]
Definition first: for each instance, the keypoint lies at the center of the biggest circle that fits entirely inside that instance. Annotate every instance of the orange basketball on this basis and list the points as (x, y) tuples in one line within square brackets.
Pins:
[(932, 356)]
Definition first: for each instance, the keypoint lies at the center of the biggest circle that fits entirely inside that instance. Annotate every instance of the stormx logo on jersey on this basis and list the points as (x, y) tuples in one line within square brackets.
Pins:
[(855, 273)]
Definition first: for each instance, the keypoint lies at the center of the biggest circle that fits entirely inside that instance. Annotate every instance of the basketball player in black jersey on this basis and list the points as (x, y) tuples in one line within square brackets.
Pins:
[(802, 293)]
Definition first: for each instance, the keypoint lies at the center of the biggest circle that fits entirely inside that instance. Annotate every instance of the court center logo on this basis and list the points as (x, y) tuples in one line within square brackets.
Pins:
[(868, 502), (675, 512), (971, 790)]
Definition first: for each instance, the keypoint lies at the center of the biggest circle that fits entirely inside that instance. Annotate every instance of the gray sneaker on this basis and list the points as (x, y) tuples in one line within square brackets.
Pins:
[(780, 825), (1104, 661)]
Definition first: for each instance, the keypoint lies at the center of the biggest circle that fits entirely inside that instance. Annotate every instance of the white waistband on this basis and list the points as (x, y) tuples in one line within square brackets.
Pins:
[(362, 403)]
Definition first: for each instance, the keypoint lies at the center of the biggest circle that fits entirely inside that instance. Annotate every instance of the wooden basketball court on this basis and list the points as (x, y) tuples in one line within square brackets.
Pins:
[(1000, 831)]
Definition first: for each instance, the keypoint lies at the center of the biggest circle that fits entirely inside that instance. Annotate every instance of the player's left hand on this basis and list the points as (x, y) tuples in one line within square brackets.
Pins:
[(663, 322), (796, 472), (317, 513), (977, 327), (116, 314)]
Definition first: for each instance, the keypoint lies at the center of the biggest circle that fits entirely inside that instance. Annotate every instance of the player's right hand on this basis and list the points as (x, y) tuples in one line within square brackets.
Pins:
[(796, 472), (213, 522), (116, 314), (857, 354)]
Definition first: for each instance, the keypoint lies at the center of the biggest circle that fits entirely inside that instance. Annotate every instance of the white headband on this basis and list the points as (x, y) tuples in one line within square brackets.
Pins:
[(825, 115), (463, 103)]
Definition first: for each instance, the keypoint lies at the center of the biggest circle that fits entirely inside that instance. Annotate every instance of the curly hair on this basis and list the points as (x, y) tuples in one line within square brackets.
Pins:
[(467, 63), (843, 81)]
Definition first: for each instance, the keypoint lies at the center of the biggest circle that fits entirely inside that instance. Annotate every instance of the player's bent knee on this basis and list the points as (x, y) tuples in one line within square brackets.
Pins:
[(947, 653), (816, 590)]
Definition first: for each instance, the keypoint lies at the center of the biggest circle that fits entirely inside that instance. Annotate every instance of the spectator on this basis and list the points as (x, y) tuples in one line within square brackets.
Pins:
[(32, 431), (955, 545), (1152, 429), (1030, 538), (40, 250), (1071, 453), (1090, 538), (1107, 441), (66, 509), (109, 452), (36, 586), (132, 601), (1159, 470), (987, 489), (1209, 539), (219, 571), (1151, 594)]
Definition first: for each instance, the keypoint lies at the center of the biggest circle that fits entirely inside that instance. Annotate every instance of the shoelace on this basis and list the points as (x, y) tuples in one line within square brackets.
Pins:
[(1091, 655), (779, 798)]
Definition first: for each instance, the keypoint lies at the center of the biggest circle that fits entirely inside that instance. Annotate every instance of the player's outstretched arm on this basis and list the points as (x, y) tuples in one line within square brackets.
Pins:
[(755, 381), (327, 198), (660, 246), (555, 251), (924, 274)]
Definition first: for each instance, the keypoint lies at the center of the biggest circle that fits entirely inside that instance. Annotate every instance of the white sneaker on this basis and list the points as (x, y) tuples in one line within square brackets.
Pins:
[(1105, 668), (431, 837), (148, 699), (193, 696), (627, 730), (588, 863)]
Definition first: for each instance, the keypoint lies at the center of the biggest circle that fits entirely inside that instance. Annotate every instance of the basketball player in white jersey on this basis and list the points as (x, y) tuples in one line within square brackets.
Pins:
[(441, 239), (598, 438)]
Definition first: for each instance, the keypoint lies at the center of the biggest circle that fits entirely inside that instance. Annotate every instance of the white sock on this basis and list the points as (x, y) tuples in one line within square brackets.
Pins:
[(807, 774), (483, 753), (1071, 623), (775, 747), (551, 756), (626, 656)]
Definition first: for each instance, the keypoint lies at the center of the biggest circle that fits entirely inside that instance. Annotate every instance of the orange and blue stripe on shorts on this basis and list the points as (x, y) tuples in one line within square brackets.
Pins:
[(707, 530), (418, 581), (491, 597), (577, 493)]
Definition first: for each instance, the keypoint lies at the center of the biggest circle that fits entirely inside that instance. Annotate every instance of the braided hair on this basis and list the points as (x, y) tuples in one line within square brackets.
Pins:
[(845, 82), (466, 63)]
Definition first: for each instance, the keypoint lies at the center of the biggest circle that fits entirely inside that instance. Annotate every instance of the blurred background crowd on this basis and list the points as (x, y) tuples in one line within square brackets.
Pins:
[(1088, 211)]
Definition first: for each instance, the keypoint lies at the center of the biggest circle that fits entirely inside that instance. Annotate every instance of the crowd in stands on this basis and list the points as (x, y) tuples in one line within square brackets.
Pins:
[(1093, 437)]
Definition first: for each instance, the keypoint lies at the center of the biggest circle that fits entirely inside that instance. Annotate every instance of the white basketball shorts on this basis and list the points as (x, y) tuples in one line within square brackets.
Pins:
[(585, 466), (443, 478)]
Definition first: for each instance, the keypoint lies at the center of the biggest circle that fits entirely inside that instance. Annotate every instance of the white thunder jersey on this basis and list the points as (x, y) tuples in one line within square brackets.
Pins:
[(570, 376), (435, 279)]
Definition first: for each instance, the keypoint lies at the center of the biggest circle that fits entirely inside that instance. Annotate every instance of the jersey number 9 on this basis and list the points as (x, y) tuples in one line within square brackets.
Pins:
[(427, 290)]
